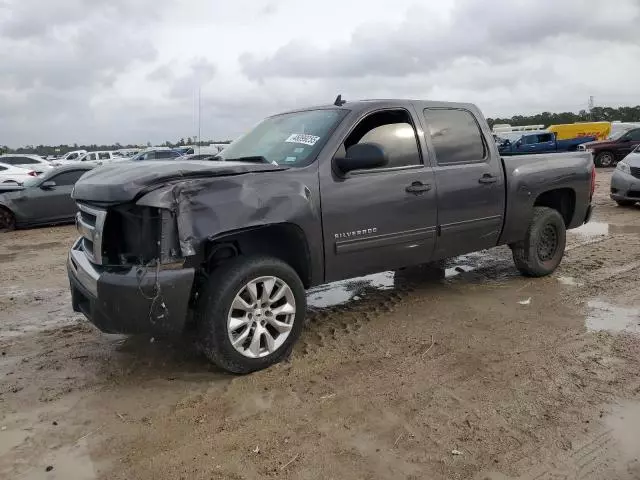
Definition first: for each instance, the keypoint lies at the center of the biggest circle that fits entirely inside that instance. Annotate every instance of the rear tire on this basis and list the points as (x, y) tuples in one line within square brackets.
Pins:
[(7, 220), (604, 160), (215, 315), (625, 203), (542, 249)]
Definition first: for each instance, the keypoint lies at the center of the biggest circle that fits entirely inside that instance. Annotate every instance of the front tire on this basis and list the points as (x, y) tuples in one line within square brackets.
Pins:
[(7, 220), (625, 203), (250, 313), (542, 249), (604, 160)]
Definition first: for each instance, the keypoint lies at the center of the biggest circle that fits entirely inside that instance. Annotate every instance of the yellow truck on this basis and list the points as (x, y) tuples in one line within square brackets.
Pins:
[(600, 130)]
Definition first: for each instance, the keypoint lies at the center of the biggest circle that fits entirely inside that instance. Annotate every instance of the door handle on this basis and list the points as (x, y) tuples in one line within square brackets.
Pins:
[(418, 187), (487, 178)]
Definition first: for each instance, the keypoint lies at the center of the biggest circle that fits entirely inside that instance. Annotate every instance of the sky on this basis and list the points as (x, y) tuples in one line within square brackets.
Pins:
[(129, 71)]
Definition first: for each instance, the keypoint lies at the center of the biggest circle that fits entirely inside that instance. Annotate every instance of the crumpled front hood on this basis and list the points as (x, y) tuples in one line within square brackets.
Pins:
[(121, 182)]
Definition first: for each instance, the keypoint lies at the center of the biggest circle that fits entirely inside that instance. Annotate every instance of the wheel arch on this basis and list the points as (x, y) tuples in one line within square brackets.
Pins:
[(285, 241), (561, 199)]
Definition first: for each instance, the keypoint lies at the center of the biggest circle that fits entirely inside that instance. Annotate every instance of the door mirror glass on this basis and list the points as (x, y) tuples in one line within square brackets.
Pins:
[(362, 156), (48, 185)]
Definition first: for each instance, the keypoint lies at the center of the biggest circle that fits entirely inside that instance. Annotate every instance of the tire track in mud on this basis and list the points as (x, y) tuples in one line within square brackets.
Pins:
[(365, 301)]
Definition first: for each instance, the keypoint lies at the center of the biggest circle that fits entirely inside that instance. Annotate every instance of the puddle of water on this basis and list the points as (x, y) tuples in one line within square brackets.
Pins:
[(457, 270), (344, 291), (625, 229), (338, 293), (603, 316), (600, 229), (570, 281), (592, 229)]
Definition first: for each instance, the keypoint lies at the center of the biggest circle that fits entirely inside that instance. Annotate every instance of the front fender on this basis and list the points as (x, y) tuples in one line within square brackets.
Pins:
[(208, 208)]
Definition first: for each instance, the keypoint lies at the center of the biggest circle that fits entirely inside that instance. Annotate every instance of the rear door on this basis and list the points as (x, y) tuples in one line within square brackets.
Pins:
[(381, 218), (469, 179)]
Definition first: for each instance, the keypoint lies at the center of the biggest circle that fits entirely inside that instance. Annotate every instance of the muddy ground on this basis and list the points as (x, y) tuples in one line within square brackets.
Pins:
[(482, 374)]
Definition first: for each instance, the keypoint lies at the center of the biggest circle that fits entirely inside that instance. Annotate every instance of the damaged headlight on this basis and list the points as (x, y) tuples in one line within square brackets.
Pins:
[(140, 235)]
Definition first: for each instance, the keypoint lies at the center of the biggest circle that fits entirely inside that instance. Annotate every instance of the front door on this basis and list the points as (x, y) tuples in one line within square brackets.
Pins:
[(470, 183), (52, 204), (631, 141), (382, 218)]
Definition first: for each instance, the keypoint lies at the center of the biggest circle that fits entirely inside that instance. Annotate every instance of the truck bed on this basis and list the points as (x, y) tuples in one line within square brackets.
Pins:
[(527, 175)]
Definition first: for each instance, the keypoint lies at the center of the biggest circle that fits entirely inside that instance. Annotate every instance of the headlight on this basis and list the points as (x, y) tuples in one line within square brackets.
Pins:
[(624, 167)]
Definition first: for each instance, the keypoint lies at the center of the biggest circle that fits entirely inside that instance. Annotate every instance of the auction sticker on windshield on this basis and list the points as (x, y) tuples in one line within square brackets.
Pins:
[(302, 138)]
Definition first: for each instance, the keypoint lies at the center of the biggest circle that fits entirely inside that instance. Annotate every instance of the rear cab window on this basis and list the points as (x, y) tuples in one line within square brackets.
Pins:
[(456, 136)]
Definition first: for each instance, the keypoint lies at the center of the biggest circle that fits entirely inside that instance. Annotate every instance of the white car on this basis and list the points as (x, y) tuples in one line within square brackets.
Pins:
[(93, 158), (68, 158), (12, 175), (30, 162)]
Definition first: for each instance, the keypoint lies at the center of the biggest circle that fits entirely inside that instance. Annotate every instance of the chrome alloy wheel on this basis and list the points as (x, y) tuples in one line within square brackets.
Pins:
[(261, 317)]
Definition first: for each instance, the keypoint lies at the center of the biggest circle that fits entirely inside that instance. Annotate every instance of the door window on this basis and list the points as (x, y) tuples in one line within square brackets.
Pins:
[(531, 139), (25, 161), (455, 135), (68, 178), (104, 156), (164, 154), (545, 137), (10, 160), (393, 130), (634, 135)]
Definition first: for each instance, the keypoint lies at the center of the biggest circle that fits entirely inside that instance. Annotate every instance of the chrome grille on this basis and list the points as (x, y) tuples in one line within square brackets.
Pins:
[(90, 224)]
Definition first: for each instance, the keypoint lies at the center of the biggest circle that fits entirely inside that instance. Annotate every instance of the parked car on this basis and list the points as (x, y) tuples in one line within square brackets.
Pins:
[(68, 158), (237, 241), (157, 154), (625, 181), (607, 153), (45, 199), (30, 162), (14, 175), (540, 142), (202, 156)]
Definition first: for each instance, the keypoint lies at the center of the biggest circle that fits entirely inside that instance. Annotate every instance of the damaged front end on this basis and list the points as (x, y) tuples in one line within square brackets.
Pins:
[(126, 271)]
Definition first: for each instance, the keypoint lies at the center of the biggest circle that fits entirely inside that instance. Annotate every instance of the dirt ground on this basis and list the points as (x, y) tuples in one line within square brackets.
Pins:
[(475, 374)]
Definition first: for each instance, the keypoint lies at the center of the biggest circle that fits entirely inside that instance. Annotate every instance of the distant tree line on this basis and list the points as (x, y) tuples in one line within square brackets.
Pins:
[(46, 150), (597, 114)]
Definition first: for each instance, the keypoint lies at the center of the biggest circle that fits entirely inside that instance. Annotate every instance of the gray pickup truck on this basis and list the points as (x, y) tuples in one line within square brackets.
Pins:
[(227, 248)]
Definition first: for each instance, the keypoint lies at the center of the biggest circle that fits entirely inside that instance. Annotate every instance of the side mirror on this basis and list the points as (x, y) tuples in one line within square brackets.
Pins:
[(362, 156), (519, 143), (625, 139), (48, 185)]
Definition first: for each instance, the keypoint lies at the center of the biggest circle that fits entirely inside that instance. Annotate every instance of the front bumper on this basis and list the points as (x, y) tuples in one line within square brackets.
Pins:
[(137, 300), (625, 186)]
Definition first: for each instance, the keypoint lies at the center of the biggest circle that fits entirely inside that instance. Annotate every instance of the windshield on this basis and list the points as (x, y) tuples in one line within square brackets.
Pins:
[(617, 135), (290, 139)]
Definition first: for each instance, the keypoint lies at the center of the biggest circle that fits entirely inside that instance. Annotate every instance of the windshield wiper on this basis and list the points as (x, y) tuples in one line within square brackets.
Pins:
[(252, 159)]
